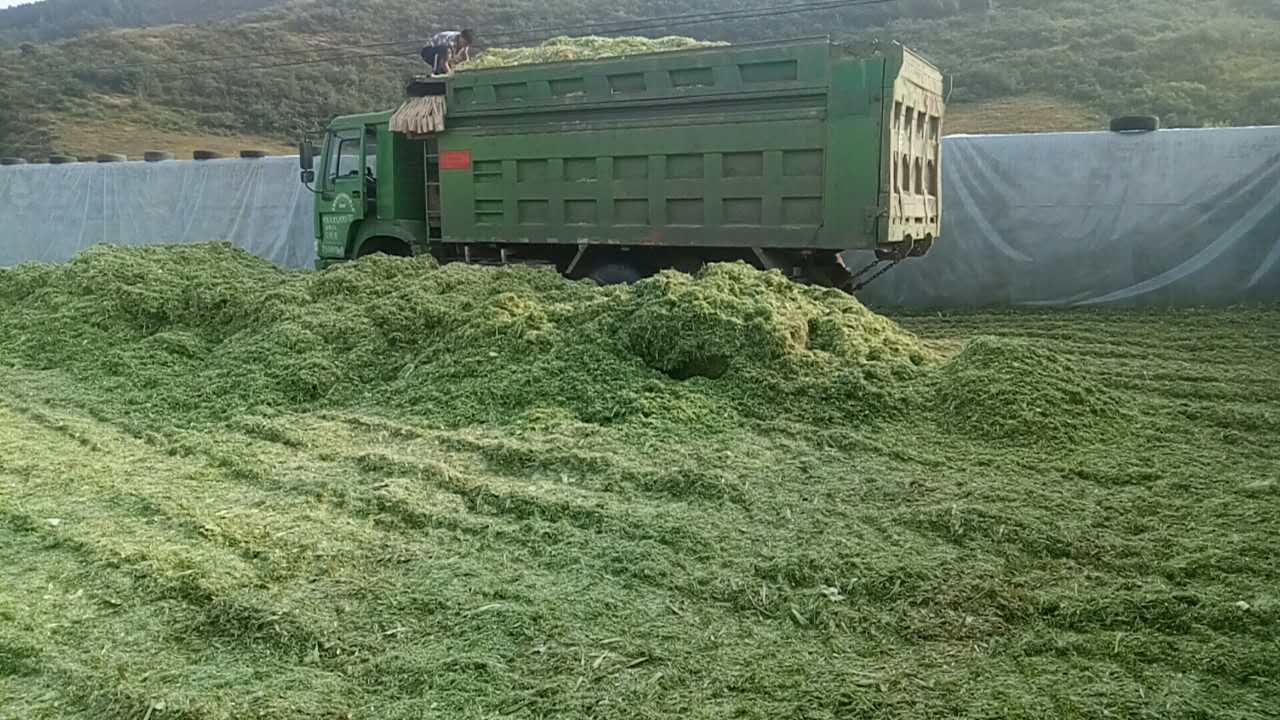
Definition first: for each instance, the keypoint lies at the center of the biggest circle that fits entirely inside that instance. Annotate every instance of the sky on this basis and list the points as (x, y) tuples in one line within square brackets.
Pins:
[(11, 3)]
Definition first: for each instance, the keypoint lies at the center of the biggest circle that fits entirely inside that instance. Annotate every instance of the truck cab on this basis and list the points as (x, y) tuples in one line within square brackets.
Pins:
[(369, 191)]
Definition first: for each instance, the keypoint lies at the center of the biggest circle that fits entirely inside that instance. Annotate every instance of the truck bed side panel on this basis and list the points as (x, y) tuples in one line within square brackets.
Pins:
[(713, 184)]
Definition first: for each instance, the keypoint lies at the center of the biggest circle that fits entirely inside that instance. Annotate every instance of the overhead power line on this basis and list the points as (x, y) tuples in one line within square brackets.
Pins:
[(507, 37), (684, 19), (249, 56)]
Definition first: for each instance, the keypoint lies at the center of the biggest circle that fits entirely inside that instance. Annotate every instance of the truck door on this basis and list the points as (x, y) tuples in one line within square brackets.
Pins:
[(341, 203)]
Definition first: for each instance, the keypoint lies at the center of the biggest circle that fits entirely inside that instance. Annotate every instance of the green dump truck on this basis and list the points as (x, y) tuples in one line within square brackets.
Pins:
[(781, 154)]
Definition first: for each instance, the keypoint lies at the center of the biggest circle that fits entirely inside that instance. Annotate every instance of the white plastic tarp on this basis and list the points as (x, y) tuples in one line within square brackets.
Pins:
[(1180, 217), (49, 213), (1175, 217)]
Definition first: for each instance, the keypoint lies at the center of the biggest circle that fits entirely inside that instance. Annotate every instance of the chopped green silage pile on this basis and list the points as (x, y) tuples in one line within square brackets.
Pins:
[(398, 490), (1000, 388), (581, 48), (203, 333)]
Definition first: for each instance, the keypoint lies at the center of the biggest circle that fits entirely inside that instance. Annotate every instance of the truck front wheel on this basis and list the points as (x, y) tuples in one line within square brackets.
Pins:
[(386, 246)]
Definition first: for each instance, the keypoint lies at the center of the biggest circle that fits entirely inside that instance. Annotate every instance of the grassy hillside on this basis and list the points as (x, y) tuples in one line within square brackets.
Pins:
[(1205, 63), (1211, 62), (1020, 114), (393, 490), (55, 19), (83, 137)]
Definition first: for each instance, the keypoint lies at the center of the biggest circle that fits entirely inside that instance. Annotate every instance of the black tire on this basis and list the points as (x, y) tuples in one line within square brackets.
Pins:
[(385, 246), (614, 273), (157, 155), (247, 154), (111, 158), (1135, 123), (687, 264), (62, 159), (12, 161), (206, 155)]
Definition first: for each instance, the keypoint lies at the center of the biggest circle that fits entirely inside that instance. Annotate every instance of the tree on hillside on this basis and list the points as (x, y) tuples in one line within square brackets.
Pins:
[(21, 133)]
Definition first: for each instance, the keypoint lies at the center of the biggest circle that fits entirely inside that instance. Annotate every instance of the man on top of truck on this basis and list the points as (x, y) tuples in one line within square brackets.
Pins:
[(445, 46)]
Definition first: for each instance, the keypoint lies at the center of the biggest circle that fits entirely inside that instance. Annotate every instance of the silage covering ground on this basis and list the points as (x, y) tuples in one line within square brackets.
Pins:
[(399, 490), (213, 331)]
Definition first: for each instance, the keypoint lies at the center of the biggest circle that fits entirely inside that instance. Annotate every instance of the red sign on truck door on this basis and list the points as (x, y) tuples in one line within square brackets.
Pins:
[(455, 160)]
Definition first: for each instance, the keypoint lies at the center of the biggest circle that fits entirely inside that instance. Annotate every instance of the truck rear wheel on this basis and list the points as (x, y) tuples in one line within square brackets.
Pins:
[(614, 273)]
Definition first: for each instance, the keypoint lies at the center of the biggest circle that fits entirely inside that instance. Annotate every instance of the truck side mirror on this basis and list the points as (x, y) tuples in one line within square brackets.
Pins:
[(306, 155), (308, 177)]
